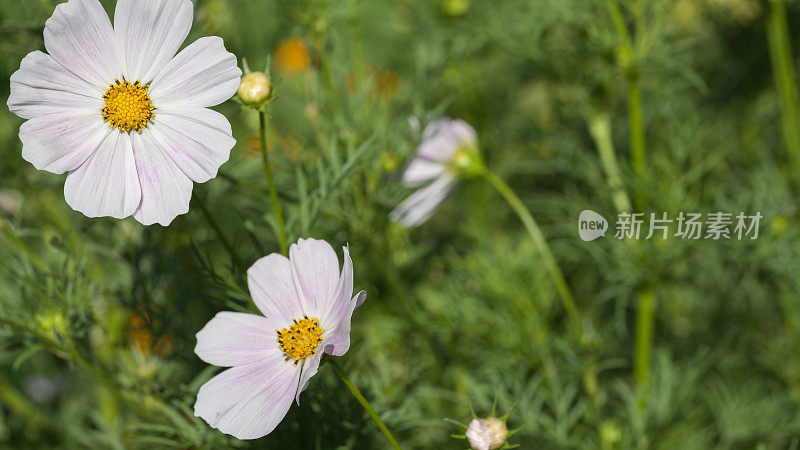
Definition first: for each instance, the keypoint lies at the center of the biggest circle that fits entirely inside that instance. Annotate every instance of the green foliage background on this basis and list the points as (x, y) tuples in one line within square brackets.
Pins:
[(460, 311)]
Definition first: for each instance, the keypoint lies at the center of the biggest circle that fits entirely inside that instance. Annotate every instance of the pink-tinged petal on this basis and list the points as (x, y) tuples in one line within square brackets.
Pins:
[(202, 74), (62, 141), (106, 184), (419, 207), (315, 271), (339, 341), (436, 127), (236, 339), (443, 137), (79, 37), (198, 140), (148, 33), (248, 402), (310, 367), (166, 190), (420, 170), (272, 288), (331, 310), (440, 148), (465, 134), (42, 86)]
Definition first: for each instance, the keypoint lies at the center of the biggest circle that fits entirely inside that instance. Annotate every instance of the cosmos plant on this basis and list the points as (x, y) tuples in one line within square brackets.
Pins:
[(127, 117)]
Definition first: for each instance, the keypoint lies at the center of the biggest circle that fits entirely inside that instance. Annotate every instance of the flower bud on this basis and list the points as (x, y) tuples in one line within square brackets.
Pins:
[(255, 89), (455, 8), (389, 162), (487, 434), (52, 324)]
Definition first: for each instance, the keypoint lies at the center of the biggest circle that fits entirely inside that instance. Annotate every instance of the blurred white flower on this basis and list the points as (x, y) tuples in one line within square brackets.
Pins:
[(120, 112), (448, 150), (487, 434), (41, 388), (307, 309)]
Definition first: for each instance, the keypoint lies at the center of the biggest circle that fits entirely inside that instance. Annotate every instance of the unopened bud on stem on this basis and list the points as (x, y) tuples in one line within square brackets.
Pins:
[(255, 89), (487, 434)]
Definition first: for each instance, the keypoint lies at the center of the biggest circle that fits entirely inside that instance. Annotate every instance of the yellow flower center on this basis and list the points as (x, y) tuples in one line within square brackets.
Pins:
[(127, 106), (301, 339)]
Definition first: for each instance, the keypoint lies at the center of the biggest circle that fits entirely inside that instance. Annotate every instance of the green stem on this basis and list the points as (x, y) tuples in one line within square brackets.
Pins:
[(364, 403), (12, 236), (645, 318), (541, 245), (783, 69), (637, 133), (645, 321), (625, 57), (600, 129), (262, 135), (222, 238)]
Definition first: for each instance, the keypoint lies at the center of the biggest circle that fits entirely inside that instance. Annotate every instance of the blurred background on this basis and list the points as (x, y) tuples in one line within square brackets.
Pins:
[(98, 316)]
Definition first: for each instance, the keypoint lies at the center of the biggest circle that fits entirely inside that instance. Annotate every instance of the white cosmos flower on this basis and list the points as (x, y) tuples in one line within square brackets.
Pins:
[(120, 112), (307, 309), (435, 160)]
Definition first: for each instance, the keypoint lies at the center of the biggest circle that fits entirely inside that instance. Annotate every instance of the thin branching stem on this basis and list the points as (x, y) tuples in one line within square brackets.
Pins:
[(23, 247), (600, 129), (222, 238), (365, 404), (645, 314), (262, 136), (627, 63), (541, 245)]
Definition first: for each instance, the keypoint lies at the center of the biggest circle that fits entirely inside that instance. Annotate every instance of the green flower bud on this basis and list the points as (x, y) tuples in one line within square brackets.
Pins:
[(455, 8)]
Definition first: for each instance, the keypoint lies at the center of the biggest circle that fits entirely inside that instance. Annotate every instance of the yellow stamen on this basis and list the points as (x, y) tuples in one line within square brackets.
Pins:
[(301, 339), (127, 106)]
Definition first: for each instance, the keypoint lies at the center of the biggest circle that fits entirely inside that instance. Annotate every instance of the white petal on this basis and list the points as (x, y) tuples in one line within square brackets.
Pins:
[(447, 126), (479, 435), (166, 190), (148, 33), (107, 183), (440, 147), (310, 367), (202, 74), (248, 402), (435, 127), (236, 339), (442, 138), (79, 37), (463, 132), (315, 270), (420, 170), (198, 140), (272, 288), (62, 141), (42, 86), (339, 342), (331, 310), (419, 207)]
